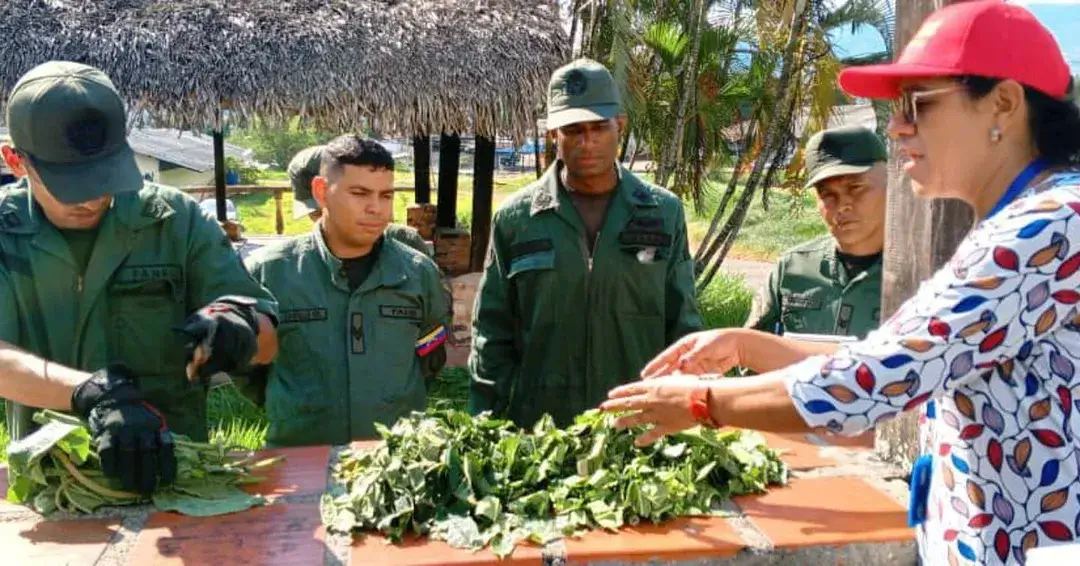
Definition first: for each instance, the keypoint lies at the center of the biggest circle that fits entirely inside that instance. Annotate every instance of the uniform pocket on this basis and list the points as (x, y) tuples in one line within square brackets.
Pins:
[(799, 309), (142, 319)]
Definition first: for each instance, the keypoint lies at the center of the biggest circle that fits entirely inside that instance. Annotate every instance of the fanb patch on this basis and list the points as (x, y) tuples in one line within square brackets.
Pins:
[(357, 331), (395, 311), (576, 84), (303, 315)]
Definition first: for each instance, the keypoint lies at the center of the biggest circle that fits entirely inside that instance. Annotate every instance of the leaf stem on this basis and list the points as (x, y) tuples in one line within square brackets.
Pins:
[(89, 483)]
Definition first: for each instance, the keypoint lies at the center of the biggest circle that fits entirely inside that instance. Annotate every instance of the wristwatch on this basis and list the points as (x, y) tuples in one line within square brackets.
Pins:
[(699, 406)]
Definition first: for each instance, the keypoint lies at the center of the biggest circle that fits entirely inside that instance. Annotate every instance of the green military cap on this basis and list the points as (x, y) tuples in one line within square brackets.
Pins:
[(847, 150), (581, 91), (69, 122), (303, 168)]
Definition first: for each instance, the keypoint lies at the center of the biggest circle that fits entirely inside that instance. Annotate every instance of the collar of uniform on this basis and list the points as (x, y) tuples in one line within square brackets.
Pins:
[(839, 273), (388, 271), (629, 187), (20, 215)]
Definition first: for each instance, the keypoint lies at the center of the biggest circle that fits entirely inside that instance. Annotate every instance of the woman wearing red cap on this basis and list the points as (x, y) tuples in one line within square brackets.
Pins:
[(988, 350)]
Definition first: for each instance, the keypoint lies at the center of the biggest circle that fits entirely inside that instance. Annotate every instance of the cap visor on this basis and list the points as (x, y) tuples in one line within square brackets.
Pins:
[(303, 207), (883, 81), (556, 120), (72, 183), (838, 170)]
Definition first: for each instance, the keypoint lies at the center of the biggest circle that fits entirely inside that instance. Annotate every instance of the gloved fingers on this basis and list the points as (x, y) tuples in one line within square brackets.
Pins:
[(147, 454), (108, 453), (126, 461), (197, 359), (166, 459)]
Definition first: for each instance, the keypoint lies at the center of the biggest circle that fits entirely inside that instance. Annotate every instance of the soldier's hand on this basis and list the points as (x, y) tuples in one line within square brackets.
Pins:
[(223, 337), (707, 352), (133, 439)]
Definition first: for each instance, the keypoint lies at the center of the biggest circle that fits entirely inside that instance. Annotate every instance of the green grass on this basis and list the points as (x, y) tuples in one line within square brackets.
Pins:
[(791, 220), (725, 303)]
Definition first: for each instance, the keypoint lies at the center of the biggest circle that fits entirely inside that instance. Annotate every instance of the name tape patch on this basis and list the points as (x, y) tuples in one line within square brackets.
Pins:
[(396, 311), (644, 238), (303, 315)]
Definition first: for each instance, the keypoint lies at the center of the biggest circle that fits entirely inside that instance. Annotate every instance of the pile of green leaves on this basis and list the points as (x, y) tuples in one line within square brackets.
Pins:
[(475, 481), (56, 469)]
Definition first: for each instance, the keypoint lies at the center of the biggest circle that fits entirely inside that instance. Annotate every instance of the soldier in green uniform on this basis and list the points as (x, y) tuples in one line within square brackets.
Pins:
[(832, 285), (588, 273), (102, 271), (364, 318), (303, 169)]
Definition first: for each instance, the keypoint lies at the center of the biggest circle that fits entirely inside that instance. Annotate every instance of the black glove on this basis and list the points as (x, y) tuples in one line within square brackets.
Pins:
[(228, 331), (133, 439)]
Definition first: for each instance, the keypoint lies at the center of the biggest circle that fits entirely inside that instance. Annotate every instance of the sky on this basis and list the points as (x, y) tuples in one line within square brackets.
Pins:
[(1062, 17)]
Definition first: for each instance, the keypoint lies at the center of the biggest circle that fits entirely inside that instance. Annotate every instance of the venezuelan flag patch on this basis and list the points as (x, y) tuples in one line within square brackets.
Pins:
[(431, 341)]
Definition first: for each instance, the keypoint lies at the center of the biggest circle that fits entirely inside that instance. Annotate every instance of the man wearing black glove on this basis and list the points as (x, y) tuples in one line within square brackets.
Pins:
[(133, 439), (100, 267), (223, 337)]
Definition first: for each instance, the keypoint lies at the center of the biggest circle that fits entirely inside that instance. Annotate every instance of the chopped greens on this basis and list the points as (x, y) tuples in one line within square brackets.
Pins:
[(56, 469), (477, 481)]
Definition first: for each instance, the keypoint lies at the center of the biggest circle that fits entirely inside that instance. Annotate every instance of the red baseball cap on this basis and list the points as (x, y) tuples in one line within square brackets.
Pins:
[(983, 37)]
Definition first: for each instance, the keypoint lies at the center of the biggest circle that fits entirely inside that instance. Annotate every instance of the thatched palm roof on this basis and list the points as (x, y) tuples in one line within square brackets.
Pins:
[(413, 65)]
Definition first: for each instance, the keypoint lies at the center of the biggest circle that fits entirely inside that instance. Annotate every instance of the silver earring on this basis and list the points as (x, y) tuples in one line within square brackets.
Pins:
[(995, 135)]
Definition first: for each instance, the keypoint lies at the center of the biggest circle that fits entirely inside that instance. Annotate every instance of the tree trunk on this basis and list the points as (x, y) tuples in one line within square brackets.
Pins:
[(774, 136), (920, 236), (673, 151), (574, 25)]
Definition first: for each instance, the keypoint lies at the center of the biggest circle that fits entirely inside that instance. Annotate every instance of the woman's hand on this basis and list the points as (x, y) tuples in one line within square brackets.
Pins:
[(710, 351), (663, 402)]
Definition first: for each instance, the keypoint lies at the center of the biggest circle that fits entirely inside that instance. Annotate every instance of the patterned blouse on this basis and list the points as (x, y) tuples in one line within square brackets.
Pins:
[(993, 338)]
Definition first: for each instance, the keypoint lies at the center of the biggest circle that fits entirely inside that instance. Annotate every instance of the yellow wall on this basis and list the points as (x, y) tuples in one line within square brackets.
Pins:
[(177, 177)]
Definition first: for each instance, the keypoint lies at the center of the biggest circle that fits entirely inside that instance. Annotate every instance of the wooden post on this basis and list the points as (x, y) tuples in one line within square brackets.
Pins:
[(449, 162), (279, 213), (920, 236), (536, 150), (483, 191), (219, 172), (422, 168)]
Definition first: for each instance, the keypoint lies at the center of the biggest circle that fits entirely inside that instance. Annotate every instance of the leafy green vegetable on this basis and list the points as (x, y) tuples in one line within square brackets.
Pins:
[(56, 469), (477, 481)]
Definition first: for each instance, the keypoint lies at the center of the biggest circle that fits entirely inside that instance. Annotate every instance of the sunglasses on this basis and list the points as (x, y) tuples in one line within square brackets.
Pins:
[(908, 103)]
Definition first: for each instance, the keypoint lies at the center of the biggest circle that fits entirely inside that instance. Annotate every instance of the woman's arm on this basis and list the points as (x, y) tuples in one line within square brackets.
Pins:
[(1011, 284), (717, 351)]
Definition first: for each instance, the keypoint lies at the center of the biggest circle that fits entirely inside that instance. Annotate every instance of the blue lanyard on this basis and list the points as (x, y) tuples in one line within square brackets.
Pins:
[(1019, 184)]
